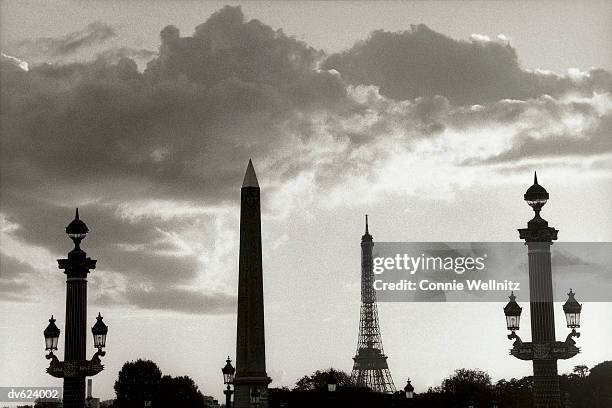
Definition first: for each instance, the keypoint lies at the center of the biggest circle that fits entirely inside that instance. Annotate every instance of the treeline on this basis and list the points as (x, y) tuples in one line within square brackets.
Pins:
[(583, 388), (142, 382)]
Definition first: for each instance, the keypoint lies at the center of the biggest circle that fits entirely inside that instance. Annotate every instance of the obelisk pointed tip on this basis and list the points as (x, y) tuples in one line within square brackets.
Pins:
[(250, 178)]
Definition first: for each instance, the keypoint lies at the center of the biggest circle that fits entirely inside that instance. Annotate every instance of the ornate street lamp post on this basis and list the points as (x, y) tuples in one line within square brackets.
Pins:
[(75, 366), (228, 379), (544, 350)]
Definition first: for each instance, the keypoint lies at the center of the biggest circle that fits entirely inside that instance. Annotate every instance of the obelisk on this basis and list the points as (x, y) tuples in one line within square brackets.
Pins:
[(251, 381)]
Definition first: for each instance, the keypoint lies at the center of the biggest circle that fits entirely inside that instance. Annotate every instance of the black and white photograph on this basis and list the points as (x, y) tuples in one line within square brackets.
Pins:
[(305, 204)]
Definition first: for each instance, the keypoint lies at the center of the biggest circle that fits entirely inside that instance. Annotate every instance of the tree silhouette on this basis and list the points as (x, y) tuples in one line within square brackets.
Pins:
[(600, 383), (468, 385), (319, 379), (581, 370), (138, 382), (515, 393), (178, 392)]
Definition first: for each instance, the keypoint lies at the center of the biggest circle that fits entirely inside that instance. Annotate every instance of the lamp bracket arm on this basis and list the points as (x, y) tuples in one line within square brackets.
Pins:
[(56, 367), (96, 357), (54, 360), (518, 342), (569, 341)]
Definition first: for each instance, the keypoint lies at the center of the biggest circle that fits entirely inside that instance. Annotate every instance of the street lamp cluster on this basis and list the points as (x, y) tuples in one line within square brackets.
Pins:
[(544, 350), (99, 331), (75, 366), (571, 309)]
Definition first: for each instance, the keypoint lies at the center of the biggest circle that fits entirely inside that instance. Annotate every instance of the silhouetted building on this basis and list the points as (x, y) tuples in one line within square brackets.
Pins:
[(210, 402), (370, 367), (91, 402), (251, 381)]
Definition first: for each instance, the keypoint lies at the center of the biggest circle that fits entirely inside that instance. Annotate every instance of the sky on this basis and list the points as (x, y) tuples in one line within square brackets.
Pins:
[(429, 116)]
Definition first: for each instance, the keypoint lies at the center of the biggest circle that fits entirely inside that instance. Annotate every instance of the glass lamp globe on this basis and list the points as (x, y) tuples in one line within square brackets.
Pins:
[(513, 313), (572, 310), (52, 333), (409, 390), (99, 331), (228, 372), (77, 229), (536, 195), (332, 383)]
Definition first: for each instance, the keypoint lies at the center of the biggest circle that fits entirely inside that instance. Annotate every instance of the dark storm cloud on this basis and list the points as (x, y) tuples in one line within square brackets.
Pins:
[(93, 34), (228, 48), (15, 279), (181, 130), (423, 63), (102, 134), (221, 93), (183, 300), (136, 250)]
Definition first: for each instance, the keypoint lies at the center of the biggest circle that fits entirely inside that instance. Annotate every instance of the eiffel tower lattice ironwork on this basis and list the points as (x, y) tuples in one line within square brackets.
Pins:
[(370, 367)]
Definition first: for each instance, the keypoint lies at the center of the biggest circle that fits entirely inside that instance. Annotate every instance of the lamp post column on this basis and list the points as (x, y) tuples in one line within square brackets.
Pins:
[(76, 267), (75, 366), (545, 374), (543, 350), (228, 397), (538, 237), (76, 332)]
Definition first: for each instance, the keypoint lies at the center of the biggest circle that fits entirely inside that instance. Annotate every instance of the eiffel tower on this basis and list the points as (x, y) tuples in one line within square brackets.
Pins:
[(370, 368)]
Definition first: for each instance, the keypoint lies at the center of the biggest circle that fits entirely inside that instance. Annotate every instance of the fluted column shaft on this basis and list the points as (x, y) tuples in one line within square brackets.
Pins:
[(545, 376), (76, 338)]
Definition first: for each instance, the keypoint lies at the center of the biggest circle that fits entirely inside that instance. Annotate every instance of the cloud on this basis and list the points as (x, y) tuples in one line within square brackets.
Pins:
[(565, 143), (155, 157), (15, 284), (93, 34), (182, 300), (12, 61), (480, 38), (231, 54), (114, 55), (106, 135), (423, 63)]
